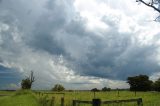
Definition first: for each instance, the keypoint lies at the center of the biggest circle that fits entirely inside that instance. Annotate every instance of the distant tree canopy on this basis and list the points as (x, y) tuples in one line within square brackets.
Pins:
[(95, 90), (27, 83), (106, 89), (155, 4), (156, 85), (140, 83), (58, 88)]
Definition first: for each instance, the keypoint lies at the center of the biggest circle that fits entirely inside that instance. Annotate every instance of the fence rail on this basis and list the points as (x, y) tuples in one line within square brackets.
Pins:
[(120, 101), (98, 102)]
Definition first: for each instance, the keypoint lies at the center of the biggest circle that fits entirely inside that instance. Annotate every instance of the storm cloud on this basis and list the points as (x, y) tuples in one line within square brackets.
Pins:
[(76, 43)]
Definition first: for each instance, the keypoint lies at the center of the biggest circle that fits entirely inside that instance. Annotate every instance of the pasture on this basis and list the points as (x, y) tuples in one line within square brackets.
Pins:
[(18, 98), (149, 98), (30, 98)]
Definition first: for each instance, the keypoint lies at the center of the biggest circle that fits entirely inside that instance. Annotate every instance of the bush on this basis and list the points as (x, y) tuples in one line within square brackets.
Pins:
[(157, 85), (27, 83), (58, 88), (95, 90), (106, 89)]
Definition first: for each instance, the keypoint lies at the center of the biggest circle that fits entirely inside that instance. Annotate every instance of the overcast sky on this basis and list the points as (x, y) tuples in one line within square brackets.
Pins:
[(78, 43)]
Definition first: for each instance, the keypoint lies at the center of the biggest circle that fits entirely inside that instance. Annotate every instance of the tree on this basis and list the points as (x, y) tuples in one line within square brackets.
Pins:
[(155, 4), (157, 85), (27, 83), (95, 90), (139, 83), (58, 88), (106, 89)]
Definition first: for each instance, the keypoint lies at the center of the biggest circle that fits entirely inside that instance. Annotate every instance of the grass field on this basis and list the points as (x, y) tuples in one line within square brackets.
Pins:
[(28, 98), (18, 98), (149, 98)]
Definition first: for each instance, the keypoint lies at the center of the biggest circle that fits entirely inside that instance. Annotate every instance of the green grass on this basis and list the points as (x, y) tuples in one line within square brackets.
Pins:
[(6, 92), (28, 98), (149, 98), (19, 98)]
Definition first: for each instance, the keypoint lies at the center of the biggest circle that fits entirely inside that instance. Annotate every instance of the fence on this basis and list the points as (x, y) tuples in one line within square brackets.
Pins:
[(98, 102)]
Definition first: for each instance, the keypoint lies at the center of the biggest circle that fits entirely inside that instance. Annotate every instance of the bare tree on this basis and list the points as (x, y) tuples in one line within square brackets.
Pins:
[(155, 4), (32, 78), (28, 82)]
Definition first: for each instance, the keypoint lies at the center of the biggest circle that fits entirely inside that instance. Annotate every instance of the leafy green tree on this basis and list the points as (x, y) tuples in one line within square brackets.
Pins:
[(95, 90), (139, 83), (106, 89), (58, 88), (27, 83), (157, 85)]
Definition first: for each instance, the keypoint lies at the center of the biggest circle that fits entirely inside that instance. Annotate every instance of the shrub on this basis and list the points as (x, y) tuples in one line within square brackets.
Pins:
[(58, 88)]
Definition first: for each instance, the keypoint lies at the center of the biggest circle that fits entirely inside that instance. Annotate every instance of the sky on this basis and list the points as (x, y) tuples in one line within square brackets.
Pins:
[(81, 44)]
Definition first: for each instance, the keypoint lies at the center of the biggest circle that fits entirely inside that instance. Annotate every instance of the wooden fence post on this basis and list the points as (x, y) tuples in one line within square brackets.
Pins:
[(140, 102), (74, 103), (96, 102), (52, 101), (62, 101)]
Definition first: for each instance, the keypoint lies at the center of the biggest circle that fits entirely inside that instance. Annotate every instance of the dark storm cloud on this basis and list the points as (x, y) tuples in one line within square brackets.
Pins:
[(43, 35), (8, 76), (116, 56), (119, 60), (43, 40)]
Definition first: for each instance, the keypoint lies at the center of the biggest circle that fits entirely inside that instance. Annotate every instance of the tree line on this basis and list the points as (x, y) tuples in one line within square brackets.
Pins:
[(137, 83), (143, 83)]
